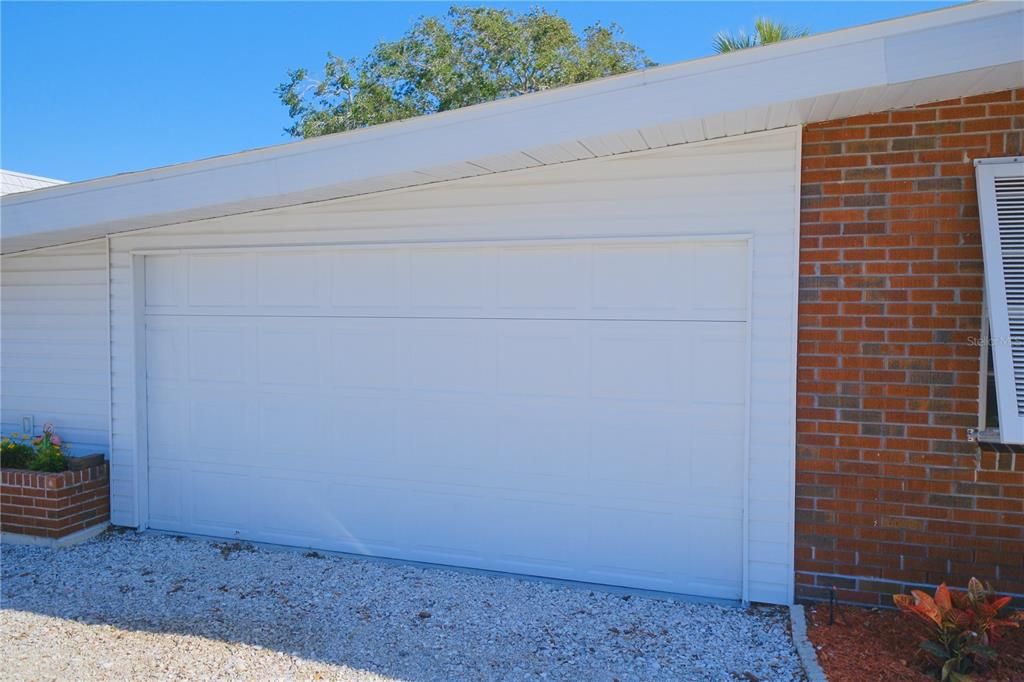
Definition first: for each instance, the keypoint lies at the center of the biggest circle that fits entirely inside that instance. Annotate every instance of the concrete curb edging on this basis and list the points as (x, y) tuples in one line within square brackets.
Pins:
[(804, 648), (66, 541)]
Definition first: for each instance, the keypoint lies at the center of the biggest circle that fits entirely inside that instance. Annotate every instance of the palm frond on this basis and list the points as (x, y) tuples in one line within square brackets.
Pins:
[(766, 31), (726, 42), (770, 31)]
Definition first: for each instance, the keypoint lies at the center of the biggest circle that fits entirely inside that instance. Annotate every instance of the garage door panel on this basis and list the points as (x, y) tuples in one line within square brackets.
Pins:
[(629, 549), (219, 280), (285, 425), (548, 449), (716, 469), (715, 588), (449, 528), (367, 519), (451, 281), (716, 554), (647, 375), (366, 280), (219, 500), (719, 364), (429, 404), (360, 433), (542, 281), (290, 280), (165, 281), (449, 440), (166, 350), (168, 419), (288, 356), (450, 357), (544, 539), (299, 512), (165, 499), (641, 280), (219, 423), (363, 354), (216, 353), (718, 280), (661, 279), (631, 445), (541, 360), (718, 418)]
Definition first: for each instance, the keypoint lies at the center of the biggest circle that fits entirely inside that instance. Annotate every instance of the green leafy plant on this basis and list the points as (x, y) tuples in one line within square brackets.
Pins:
[(962, 626), (45, 452), (15, 453), (49, 452), (766, 32), (467, 56)]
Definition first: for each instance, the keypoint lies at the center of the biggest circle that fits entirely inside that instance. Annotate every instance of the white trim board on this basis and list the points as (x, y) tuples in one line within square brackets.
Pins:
[(1001, 207)]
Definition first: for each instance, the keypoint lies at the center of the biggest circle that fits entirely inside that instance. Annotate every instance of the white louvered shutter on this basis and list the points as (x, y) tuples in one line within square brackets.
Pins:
[(1001, 204)]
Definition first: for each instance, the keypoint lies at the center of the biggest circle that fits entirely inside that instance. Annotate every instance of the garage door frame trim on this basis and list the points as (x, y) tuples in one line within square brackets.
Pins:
[(138, 306)]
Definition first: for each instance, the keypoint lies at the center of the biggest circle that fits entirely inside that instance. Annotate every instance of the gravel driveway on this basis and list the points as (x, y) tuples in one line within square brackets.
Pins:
[(146, 606)]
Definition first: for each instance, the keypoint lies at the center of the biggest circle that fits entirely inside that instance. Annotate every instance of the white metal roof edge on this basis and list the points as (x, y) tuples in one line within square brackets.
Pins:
[(29, 176), (651, 75), (849, 61)]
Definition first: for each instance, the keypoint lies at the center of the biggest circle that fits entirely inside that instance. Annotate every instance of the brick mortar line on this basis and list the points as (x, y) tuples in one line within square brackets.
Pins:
[(888, 581), (880, 194)]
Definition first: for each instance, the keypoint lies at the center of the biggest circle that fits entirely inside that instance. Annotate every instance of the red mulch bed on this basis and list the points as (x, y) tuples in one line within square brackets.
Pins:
[(881, 644)]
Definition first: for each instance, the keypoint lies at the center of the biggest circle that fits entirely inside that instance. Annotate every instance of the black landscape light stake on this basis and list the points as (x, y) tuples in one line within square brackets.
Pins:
[(832, 605)]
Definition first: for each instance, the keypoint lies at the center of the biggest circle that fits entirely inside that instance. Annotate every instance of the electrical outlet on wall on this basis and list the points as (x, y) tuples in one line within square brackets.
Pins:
[(28, 425)]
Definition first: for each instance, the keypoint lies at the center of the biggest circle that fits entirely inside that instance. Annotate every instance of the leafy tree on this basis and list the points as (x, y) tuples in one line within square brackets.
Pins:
[(765, 31), (469, 55)]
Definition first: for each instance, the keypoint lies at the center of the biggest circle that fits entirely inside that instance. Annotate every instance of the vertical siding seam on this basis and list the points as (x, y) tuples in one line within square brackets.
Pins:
[(137, 483), (110, 359), (745, 576), (794, 359)]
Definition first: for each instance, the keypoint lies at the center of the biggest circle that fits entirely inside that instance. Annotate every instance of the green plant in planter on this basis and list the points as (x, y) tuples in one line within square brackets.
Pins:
[(962, 626), (49, 453), (15, 453)]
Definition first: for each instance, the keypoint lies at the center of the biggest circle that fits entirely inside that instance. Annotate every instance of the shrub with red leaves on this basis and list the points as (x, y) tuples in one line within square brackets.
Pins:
[(963, 626)]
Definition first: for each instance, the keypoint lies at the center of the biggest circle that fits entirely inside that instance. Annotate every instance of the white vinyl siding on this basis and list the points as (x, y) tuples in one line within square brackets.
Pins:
[(53, 343), (745, 185), (1001, 206)]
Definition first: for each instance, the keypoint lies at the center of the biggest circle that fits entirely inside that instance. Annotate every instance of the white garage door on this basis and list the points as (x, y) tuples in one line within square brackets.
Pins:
[(573, 409)]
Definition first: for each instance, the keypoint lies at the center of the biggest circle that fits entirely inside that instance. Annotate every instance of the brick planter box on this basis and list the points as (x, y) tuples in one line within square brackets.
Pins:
[(54, 505)]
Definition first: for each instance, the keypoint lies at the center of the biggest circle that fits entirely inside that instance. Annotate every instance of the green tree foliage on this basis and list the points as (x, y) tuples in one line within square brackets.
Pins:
[(765, 32), (468, 56)]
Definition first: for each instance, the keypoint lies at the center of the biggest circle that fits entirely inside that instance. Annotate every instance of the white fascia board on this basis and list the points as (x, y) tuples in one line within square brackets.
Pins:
[(849, 61), (29, 176)]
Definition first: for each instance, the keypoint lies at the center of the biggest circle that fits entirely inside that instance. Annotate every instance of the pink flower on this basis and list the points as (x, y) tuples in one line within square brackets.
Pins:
[(55, 439)]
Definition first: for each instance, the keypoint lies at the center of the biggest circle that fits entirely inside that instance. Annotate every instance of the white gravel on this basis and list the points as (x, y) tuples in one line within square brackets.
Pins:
[(145, 606)]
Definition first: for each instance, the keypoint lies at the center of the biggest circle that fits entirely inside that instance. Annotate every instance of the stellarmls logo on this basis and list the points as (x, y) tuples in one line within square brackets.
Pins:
[(995, 341)]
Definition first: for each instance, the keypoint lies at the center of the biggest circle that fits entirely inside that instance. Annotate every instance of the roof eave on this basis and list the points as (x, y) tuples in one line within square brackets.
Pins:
[(960, 51)]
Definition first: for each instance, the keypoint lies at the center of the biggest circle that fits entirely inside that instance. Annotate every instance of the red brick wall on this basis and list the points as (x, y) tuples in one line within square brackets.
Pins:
[(53, 505), (889, 491)]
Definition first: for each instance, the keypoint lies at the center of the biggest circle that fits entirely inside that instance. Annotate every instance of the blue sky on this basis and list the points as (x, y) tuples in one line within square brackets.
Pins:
[(91, 89)]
